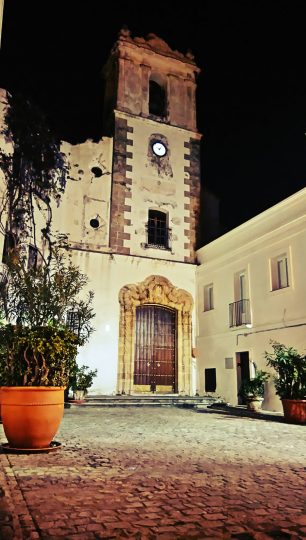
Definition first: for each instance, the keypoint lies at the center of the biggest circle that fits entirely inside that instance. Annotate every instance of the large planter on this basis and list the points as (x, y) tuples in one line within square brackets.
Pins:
[(295, 410), (31, 415), (0, 403)]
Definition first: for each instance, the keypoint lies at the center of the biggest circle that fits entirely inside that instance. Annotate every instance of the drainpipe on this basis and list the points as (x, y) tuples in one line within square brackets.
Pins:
[(269, 330)]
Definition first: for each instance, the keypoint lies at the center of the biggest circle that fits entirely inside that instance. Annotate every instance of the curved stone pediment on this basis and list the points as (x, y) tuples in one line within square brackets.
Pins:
[(156, 290)]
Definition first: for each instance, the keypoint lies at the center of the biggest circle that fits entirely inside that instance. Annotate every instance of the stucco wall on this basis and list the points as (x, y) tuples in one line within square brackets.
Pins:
[(107, 275), (87, 193), (278, 315)]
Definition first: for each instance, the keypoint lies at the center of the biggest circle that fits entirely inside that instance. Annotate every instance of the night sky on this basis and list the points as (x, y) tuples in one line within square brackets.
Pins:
[(251, 92)]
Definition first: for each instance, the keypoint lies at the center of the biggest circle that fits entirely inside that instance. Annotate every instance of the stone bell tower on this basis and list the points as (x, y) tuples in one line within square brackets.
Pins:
[(150, 111)]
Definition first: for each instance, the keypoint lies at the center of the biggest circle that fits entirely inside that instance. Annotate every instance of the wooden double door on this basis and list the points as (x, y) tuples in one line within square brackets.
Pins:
[(155, 363)]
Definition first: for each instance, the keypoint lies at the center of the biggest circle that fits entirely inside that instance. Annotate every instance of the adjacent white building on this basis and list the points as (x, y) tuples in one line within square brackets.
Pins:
[(251, 289)]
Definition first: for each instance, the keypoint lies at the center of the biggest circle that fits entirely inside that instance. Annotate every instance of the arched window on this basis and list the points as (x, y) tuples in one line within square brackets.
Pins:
[(157, 99), (158, 232)]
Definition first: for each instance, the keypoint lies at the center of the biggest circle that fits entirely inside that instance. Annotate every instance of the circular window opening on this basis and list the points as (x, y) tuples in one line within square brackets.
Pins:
[(96, 171), (94, 223)]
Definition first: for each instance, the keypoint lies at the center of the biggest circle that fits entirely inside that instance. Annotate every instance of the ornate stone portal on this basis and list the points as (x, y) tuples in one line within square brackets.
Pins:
[(154, 290)]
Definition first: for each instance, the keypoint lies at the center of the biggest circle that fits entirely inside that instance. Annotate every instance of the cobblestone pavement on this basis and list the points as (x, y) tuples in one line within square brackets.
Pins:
[(162, 473)]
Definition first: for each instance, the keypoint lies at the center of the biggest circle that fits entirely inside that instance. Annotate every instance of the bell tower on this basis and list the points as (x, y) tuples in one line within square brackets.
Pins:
[(150, 111)]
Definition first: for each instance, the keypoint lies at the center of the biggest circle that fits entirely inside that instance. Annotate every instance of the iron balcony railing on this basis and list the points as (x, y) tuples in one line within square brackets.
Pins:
[(239, 313), (158, 236)]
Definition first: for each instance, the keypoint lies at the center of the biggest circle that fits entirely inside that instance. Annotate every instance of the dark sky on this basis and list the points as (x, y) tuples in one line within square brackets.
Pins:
[(251, 92)]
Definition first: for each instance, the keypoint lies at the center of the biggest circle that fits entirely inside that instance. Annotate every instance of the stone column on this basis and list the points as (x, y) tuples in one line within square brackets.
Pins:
[(145, 79)]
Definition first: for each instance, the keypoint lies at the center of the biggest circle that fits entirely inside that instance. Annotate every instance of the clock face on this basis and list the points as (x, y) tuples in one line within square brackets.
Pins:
[(159, 148)]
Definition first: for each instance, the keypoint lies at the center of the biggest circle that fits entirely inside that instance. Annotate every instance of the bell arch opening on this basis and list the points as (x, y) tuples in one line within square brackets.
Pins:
[(157, 98)]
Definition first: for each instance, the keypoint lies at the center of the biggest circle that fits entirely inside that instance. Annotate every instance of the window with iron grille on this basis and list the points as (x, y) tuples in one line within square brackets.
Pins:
[(157, 230), (73, 321)]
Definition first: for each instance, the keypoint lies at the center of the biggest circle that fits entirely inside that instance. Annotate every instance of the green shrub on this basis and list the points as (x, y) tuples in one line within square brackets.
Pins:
[(42, 356), (254, 387), (290, 367), (36, 346), (81, 378)]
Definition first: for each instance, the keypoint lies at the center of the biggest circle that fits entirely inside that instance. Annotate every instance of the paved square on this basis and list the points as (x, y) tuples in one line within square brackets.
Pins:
[(159, 473)]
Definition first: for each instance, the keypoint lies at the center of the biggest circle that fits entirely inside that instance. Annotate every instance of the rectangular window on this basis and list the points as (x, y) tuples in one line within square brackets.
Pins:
[(208, 297), (279, 272), (73, 321), (242, 283), (241, 289), (210, 380)]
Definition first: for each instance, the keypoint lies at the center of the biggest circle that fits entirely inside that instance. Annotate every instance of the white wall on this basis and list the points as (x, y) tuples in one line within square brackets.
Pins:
[(86, 196), (107, 275), (279, 315)]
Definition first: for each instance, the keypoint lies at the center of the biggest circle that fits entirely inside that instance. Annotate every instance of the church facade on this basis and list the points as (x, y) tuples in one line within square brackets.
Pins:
[(131, 210)]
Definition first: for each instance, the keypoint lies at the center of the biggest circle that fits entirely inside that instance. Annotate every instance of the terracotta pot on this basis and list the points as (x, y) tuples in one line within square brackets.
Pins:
[(31, 415), (295, 410)]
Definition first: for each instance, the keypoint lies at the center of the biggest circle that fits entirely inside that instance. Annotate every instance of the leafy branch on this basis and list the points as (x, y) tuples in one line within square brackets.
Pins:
[(35, 172)]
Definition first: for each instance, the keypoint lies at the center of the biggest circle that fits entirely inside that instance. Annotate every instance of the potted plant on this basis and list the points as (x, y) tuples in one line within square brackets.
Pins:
[(44, 312), (290, 380), (37, 349), (80, 380), (252, 391)]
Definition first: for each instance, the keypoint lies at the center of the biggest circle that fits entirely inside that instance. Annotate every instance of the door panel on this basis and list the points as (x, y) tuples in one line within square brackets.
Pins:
[(243, 371), (155, 350)]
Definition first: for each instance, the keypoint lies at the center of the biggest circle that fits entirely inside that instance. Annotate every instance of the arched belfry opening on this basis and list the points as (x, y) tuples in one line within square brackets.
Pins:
[(154, 338), (157, 99)]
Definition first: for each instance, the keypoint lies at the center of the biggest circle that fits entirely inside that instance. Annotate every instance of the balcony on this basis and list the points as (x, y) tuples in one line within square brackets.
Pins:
[(239, 313)]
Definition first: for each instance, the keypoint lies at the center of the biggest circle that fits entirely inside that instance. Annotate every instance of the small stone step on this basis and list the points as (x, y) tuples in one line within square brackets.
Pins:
[(148, 400), (92, 405)]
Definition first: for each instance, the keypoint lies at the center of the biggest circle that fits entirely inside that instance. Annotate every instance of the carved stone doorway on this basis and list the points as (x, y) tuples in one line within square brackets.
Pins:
[(158, 291)]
